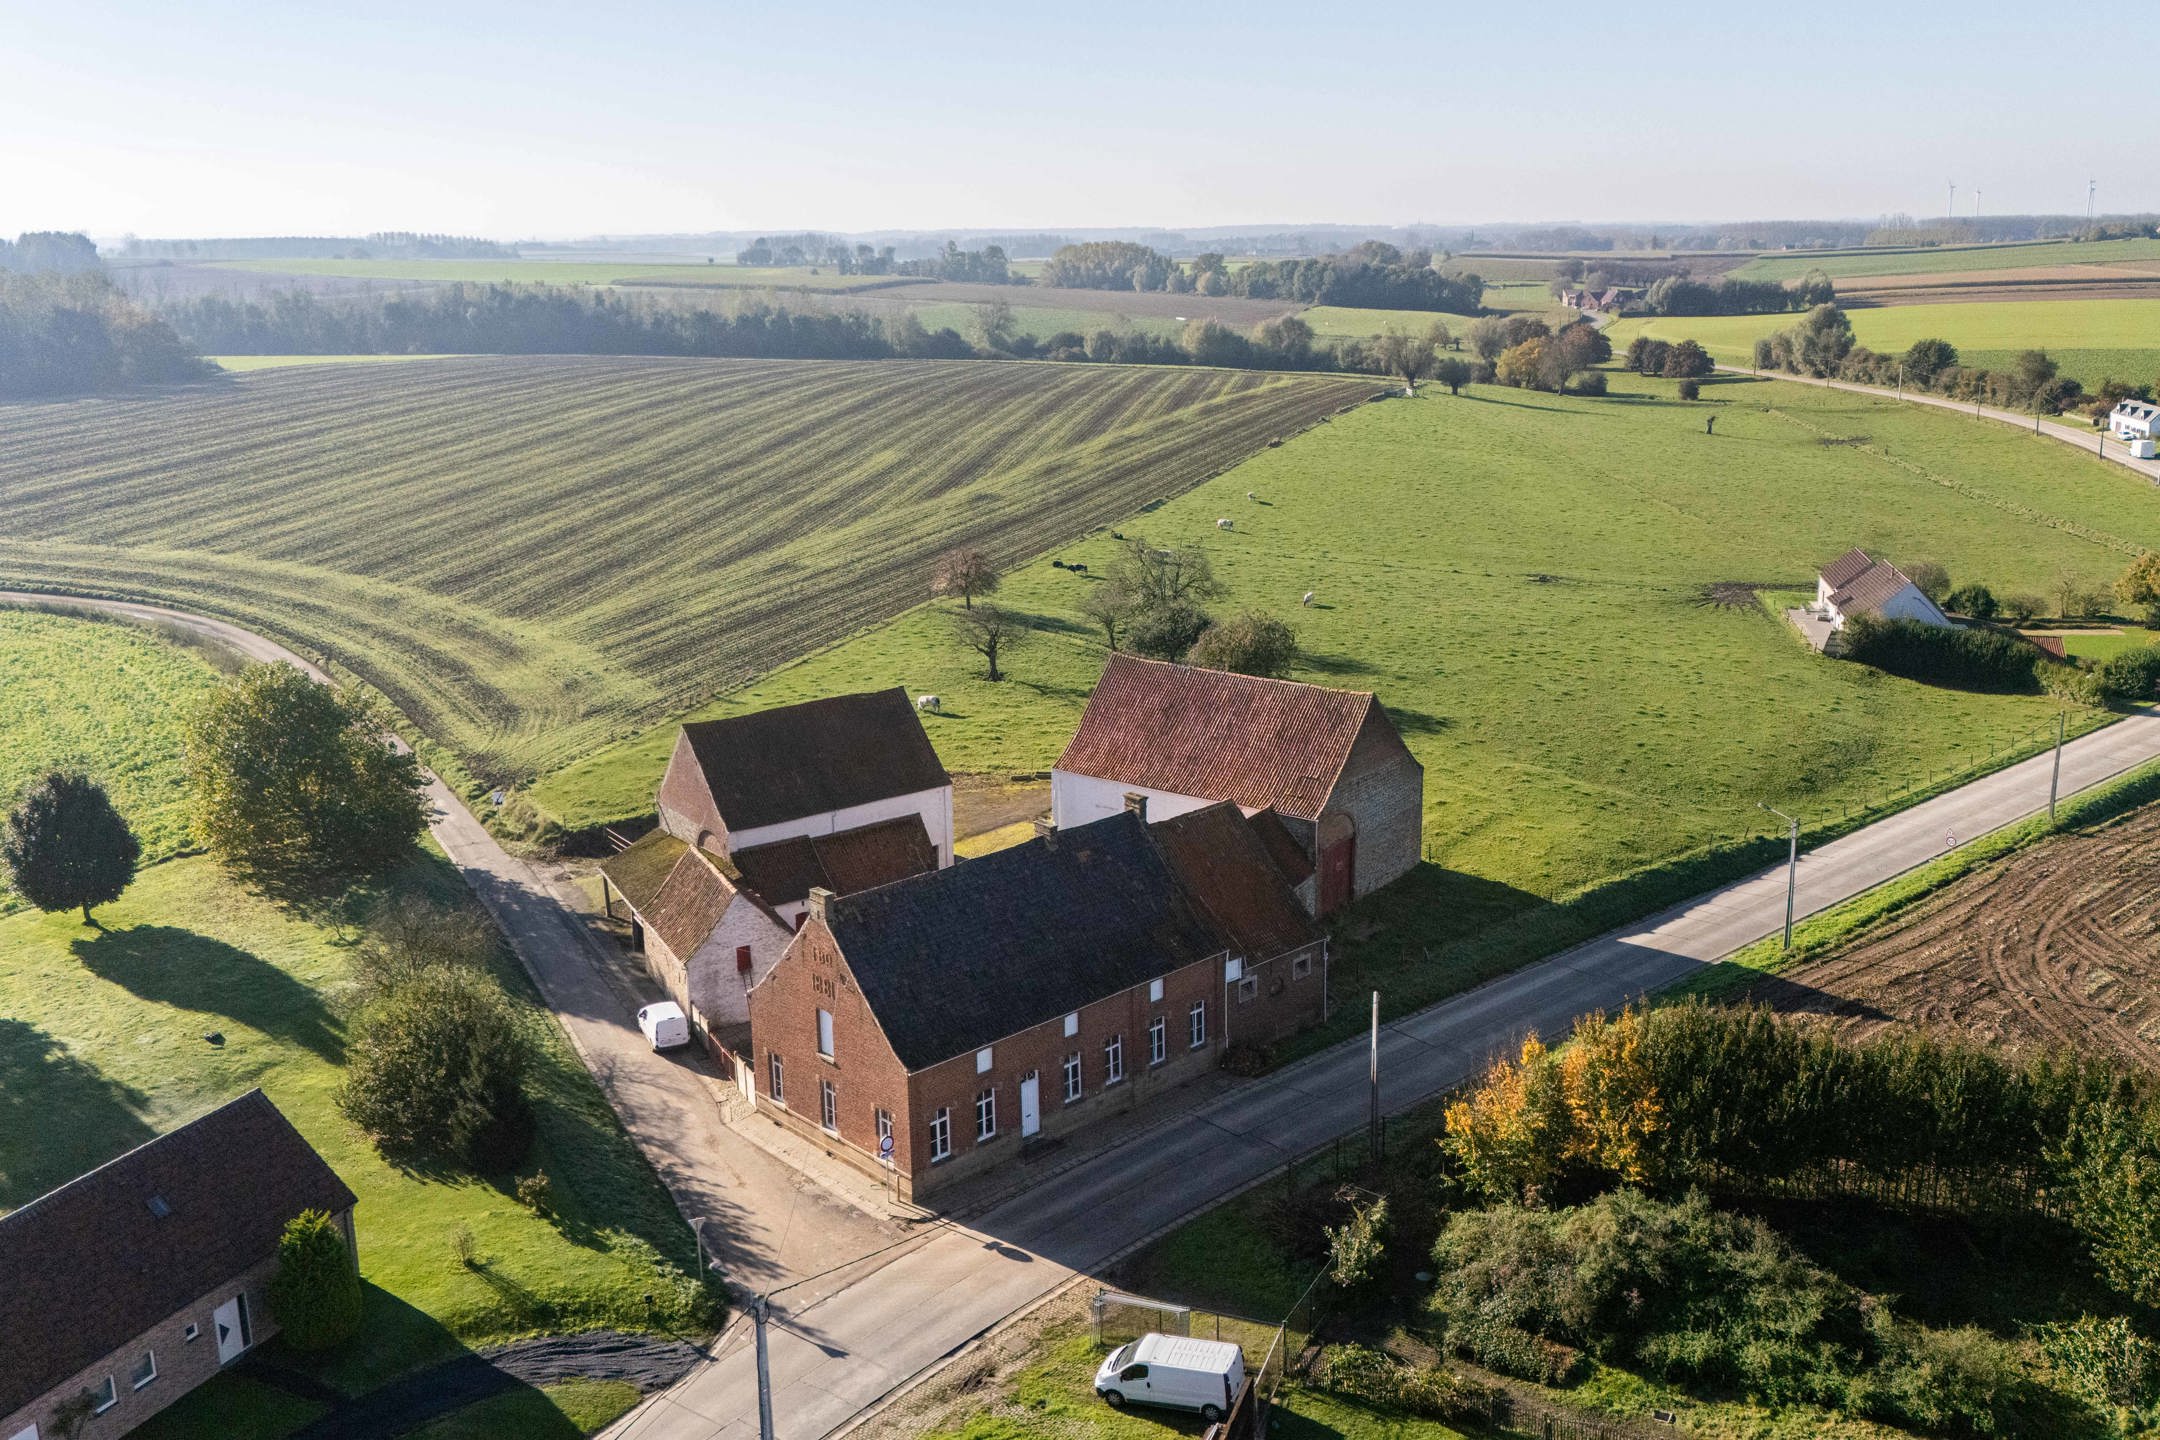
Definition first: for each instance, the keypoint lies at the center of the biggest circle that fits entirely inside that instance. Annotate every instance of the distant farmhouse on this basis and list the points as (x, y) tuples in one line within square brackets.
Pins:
[(947, 1023), (1853, 584), (1329, 764), (137, 1282), (756, 812), (2135, 420)]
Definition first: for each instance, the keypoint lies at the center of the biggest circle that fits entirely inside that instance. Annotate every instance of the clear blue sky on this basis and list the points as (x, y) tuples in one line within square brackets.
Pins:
[(207, 117)]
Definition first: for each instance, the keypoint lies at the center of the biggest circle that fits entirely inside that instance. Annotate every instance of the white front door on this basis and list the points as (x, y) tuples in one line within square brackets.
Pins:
[(231, 1320), (1030, 1104), (29, 1434)]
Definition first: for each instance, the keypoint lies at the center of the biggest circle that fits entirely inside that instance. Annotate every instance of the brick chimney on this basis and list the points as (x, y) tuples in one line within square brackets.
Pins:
[(1137, 803), (819, 898)]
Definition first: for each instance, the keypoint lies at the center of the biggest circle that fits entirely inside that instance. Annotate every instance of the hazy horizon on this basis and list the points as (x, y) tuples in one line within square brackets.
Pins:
[(544, 122)]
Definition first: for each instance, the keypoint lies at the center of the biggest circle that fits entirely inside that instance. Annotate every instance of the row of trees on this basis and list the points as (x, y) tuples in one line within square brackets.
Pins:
[(381, 245), (1681, 295), (1374, 275), (49, 252), (1822, 344), (1672, 359), (75, 334)]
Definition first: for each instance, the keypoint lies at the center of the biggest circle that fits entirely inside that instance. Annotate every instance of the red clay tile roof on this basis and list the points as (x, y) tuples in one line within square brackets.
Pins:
[(91, 1265), (2052, 644), (1846, 568), (1282, 847), (1216, 735), (810, 759), (639, 872), (1867, 592), (689, 903), (1223, 863), (843, 862)]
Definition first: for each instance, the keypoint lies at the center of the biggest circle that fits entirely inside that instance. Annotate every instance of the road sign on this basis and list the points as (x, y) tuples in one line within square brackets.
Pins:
[(884, 1148)]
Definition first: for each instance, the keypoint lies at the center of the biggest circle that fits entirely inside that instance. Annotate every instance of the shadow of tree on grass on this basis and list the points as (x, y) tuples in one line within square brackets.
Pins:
[(58, 1115), (172, 966)]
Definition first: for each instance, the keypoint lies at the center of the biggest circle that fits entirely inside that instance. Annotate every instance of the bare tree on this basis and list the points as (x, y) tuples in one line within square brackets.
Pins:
[(965, 572), (989, 631), (996, 322), (1109, 605), (1159, 579)]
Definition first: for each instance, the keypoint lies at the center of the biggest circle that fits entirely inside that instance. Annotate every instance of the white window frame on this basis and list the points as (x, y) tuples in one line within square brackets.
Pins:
[(1196, 1024), (111, 1394), (824, 1034), (1113, 1059), (884, 1127), (1158, 1040), (982, 1060), (1072, 1024), (776, 1079), (1075, 1081), (986, 1115), (149, 1357), (828, 1107), (941, 1135), (1154, 989)]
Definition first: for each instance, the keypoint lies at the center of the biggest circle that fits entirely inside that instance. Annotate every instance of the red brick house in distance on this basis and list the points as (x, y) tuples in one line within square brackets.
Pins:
[(1328, 763), (968, 1013)]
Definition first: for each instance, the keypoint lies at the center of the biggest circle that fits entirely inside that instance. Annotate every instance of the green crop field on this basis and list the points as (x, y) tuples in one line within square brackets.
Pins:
[(1041, 321), (631, 271), (530, 557), (1946, 258), (1351, 323), (83, 695), (1522, 578), (2089, 339)]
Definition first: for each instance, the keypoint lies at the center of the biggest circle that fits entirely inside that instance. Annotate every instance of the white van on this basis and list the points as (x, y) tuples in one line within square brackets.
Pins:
[(664, 1025), (1174, 1371)]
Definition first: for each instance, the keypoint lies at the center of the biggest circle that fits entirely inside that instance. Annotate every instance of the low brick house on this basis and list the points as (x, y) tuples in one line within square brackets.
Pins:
[(142, 1279), (1011, 999), (1329, 763)]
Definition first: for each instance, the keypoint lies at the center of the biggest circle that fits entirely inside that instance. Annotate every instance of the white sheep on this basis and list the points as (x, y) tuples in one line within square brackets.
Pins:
[(1250, 496), (928, 702), (1224, 524), (1310, 596)]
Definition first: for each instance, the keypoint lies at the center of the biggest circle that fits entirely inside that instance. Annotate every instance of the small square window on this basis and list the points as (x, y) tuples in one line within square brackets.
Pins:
[(145, 1370), (1154, 989), (106, 1394), (1072, 1024), (1248, 988), (982, 1061), (1301, 967), (192, 1332)]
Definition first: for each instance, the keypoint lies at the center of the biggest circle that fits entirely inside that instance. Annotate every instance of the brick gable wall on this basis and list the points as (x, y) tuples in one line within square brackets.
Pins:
[(685, 803), (1382, 791)]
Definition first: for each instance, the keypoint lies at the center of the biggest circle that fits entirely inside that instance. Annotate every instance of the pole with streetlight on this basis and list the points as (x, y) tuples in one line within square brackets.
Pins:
[(2055, 780), (758, 1311), (1792, 867), (1373, 1134)]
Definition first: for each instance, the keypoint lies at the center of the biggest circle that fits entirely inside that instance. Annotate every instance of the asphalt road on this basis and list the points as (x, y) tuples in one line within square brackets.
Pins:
[(840, 1346)]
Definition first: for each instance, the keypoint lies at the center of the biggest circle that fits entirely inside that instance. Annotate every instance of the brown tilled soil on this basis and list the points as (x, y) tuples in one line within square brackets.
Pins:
[(2130, 280), (2059, 944)]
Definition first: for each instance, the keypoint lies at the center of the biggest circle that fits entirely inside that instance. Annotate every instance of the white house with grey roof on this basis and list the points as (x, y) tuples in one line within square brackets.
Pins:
[(2135, 420)]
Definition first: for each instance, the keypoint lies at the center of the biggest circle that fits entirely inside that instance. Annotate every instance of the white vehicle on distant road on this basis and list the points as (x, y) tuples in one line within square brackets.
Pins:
[(1176, 1372), (664, 1025)]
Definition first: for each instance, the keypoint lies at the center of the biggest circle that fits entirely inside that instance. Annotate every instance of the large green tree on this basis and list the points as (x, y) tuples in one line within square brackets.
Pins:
[(437, 1067), (291, 782), (66, 847)]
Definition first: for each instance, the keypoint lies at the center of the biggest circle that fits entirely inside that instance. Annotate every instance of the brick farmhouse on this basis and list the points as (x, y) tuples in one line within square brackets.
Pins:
[(137, 1282), (755, 812), (969, 1013), (1328, 763)]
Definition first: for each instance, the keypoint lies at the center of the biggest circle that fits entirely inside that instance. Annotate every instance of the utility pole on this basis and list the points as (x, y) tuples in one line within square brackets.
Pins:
[(1792, 867), (2055, 780), (1373, 1135), (764, 1372), (2090, 186), (1951, 213)]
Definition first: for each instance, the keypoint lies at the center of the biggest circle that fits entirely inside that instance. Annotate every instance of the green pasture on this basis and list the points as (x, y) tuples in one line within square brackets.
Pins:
[(1791, 265), (1040, 321), (1353, 323), (2089, 339), (99, 697), (631, 271), (531, 557), (1522, 579)]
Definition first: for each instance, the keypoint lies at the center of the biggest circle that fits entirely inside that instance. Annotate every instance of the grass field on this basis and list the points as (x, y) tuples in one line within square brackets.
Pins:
[(1042, 321), (1352, 323), (1791, 266), (80, 694), (1521, 577), (531, 557), (2089, 339), (631, 271)]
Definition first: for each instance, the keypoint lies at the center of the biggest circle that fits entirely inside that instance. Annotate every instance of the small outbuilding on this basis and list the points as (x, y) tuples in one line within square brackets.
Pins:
[(2135, 420)]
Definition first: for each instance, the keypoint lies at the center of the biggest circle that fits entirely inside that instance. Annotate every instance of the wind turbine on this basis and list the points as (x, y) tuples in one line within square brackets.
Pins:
[(1952, 211)]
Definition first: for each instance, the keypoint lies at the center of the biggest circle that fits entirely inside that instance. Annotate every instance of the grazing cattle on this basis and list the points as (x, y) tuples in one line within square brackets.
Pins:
[(928, 702)]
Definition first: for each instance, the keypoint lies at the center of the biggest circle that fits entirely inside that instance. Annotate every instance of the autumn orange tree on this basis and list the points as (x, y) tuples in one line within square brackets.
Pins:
[(1534, 1119)]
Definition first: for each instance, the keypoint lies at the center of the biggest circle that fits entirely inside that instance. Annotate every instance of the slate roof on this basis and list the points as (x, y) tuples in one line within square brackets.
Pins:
[(90, 1266), (810, 759), (843, 862), (1289, 856), (1218, 736), (1846, 568), (1227, 868), (963, 957)]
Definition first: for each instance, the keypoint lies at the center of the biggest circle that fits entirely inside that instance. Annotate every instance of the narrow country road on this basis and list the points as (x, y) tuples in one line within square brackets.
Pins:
[(2091, 441), (840, 1349)]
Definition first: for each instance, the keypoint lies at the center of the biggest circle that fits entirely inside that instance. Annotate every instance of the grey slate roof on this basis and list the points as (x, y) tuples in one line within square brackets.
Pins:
[(810, 759), (91, 1265), (961, 958)]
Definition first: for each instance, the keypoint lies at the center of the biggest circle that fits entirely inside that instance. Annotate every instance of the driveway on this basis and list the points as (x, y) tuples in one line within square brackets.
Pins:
[(765, 1221)]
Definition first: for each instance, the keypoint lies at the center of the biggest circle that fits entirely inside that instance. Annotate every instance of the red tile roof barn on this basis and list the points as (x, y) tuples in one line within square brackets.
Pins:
[(773, 766), (95, 1263), (1846, 568), (1216, 735)]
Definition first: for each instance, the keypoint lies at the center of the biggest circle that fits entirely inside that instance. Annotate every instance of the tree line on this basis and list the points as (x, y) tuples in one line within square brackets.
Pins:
[(1374, 275), (1682, 295), (380, 245), (75, 334), (38, 252)]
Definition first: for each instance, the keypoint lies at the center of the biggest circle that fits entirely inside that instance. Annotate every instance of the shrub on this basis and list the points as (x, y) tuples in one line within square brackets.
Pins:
[(2131, 677), (1511, 1350), (2103, 1361), (406, 937), (1691, 389), (537, 1193), (1967, 659), (437, 1067), (1590, 382), (1380, 1380), (315, 1294), (2021, 607), (1357, 1247), (1166, 632), (1249, 643), (1975, 600), (1962, 1381)]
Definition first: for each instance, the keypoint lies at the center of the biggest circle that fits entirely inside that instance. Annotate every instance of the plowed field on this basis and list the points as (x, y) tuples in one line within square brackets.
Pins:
[(2058, 945), (531, 556)]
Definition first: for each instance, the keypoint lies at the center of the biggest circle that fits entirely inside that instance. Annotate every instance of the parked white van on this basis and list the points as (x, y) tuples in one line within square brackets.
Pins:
[(664, 1025), (1174, 1371)]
